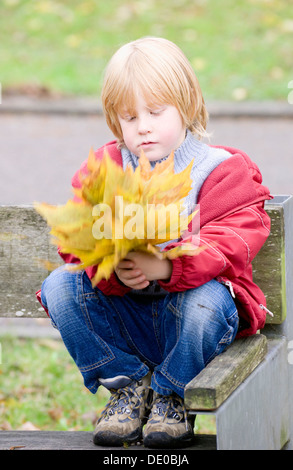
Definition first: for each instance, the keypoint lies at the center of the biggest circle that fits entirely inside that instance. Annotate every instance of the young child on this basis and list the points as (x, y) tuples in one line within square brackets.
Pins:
[(155, 324)]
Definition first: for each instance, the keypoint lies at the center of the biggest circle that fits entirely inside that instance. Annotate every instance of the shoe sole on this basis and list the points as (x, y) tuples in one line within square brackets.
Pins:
[(164, 441), (108, 438)]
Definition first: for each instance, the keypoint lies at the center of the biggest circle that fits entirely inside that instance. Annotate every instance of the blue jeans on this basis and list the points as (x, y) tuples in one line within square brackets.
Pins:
[(174, 336)]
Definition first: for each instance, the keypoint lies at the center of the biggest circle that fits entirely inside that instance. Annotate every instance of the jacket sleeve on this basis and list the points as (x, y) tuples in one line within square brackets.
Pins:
[(112, 286), (228, 245)]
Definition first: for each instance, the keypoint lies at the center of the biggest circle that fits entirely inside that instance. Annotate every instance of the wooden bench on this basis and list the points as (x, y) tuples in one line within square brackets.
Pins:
[(247, 387)]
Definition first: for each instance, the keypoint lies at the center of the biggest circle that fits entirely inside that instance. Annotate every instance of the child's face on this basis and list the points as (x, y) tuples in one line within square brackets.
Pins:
[(156, 129)]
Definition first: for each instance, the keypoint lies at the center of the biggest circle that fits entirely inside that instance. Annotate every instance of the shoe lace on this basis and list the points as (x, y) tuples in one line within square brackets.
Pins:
[(123, 400), (170, 407)]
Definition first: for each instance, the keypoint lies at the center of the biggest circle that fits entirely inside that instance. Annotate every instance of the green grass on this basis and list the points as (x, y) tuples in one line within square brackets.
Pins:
[(239, 50), (41, 387)]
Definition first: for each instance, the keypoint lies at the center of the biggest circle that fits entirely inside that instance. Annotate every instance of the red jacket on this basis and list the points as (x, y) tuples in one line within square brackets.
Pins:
[(233, 228)]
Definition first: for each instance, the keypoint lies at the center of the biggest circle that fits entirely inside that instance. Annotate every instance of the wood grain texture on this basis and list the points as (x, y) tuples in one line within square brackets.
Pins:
[(25, 248), (225, 373), (82, 440), (269, 267)]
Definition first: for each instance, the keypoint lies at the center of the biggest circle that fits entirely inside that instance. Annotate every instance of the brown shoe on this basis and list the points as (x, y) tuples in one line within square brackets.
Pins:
[(122, 419), (168, 424)]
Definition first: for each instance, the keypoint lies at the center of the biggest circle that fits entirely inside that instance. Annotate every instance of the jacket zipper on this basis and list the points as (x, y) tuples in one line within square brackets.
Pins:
[(228, 284), (266, 310)]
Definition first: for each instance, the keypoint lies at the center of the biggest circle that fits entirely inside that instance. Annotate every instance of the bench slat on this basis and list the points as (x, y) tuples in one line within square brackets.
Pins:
[(225, 373), (25, 247), (80, 440), (269, 264)]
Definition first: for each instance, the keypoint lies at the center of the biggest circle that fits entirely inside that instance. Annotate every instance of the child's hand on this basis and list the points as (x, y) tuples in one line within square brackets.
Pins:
[(138, 269), (131, 276)]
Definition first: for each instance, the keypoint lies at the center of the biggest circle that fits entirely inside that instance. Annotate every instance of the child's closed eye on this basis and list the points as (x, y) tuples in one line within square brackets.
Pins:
[(129, 118), (157, 111)]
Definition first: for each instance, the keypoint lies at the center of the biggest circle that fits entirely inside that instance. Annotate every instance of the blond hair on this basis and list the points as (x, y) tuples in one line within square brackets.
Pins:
[(158, 69)]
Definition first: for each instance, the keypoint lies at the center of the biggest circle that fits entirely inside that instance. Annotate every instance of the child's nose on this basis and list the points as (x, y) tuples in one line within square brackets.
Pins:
[(144, 125)]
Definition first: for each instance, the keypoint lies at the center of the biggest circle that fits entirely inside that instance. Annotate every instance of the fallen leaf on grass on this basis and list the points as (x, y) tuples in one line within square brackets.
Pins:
[(28, 426), (5, 426), (55, 413)]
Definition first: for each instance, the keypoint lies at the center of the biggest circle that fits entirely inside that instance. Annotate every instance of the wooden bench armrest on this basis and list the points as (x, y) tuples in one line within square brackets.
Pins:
[(225, 373)]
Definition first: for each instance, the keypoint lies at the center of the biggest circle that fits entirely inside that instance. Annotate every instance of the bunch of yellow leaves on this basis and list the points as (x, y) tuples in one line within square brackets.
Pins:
[(121, 211)]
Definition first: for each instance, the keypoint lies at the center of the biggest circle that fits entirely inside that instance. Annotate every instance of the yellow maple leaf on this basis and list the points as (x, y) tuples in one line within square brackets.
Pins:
[(121, 211)]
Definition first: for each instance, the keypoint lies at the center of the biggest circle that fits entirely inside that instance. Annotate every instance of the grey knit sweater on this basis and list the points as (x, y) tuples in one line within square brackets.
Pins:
[(206, 159)]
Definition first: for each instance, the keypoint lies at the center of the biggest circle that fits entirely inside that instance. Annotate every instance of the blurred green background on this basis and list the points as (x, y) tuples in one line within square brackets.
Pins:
[(240, 50)]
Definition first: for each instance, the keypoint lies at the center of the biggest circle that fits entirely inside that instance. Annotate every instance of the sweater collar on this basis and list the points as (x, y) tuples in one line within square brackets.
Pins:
[(188, 150)]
